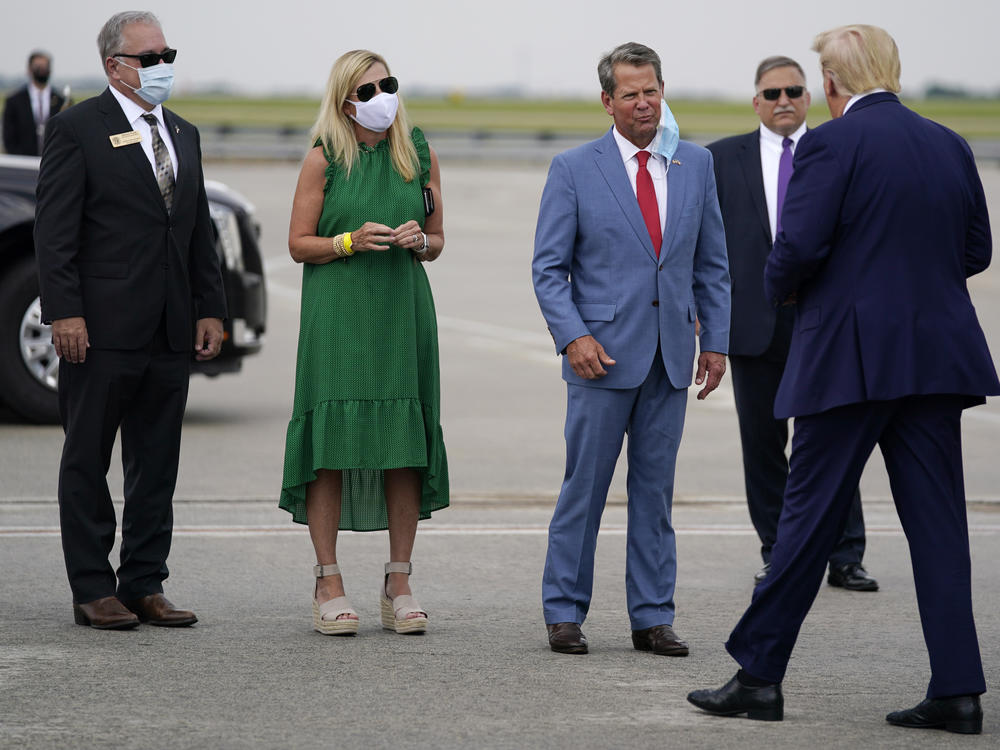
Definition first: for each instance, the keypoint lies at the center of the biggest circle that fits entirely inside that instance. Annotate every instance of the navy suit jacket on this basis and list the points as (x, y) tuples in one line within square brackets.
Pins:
[(596, 272), (884, 220), (739, 181)]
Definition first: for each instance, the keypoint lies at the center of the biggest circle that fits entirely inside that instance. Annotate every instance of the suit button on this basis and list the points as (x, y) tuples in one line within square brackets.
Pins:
[(661, 266), (656, 303)]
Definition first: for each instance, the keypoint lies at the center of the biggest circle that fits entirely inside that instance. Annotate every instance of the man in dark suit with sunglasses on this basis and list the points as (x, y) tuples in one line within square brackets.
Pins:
[(130, 282), (751, 173)]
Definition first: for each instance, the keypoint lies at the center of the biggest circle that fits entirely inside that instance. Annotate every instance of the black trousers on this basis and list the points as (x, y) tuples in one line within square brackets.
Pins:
[(143, 392), (764, 439)]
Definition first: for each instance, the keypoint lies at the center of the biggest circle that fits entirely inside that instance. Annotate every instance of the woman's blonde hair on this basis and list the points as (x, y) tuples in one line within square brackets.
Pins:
[(860, 58), (335, 130)]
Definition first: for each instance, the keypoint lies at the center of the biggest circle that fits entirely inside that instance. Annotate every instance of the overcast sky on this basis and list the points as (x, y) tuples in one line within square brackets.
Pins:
[(542, 47)]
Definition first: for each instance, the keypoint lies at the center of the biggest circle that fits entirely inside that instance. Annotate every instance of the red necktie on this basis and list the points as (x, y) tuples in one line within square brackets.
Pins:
[(647, 201)]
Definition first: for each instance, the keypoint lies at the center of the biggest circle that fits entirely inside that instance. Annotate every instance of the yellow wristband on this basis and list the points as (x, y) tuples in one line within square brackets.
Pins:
[(347, 244)]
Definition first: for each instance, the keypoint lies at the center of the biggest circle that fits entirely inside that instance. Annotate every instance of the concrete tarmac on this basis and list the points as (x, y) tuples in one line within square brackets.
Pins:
[(252, 673)]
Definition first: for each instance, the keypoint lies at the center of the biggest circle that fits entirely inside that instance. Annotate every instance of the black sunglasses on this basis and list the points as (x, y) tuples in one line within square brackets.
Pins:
[(794, 92), (147, 59), (387, 86)]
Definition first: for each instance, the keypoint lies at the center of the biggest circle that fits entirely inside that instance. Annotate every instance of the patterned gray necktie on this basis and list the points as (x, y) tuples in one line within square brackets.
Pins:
[(164, 169)]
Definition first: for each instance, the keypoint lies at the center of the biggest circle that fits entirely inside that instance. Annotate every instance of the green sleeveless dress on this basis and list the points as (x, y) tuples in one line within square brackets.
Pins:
[(367, 386)]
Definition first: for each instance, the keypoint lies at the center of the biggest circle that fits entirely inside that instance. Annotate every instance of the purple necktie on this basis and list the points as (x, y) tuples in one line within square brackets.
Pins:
[(784, 175)]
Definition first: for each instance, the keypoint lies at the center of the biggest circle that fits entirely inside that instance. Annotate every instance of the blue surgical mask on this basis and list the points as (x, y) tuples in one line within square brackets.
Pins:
[(669, 133), (155, 82)]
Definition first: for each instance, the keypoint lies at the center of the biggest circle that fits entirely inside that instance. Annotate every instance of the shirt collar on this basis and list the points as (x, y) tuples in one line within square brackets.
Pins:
[(858, 97), (629, 149), (776, 139), (133, 111)]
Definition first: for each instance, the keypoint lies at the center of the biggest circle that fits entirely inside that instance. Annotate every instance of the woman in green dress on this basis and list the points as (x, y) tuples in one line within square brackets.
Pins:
[(364, 449)]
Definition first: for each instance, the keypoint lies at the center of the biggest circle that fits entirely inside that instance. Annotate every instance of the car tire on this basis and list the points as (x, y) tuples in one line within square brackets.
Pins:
[(25, 392)]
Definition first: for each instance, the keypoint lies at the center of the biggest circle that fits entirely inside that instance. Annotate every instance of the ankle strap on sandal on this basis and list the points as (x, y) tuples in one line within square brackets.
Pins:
[(398, 567), (322, 571)]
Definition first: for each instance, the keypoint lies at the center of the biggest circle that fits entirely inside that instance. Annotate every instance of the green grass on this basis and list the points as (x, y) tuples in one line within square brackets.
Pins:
[(973, 118)]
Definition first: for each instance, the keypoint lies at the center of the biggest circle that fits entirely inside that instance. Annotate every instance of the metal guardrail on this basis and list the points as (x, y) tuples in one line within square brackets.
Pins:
[(291, 144)]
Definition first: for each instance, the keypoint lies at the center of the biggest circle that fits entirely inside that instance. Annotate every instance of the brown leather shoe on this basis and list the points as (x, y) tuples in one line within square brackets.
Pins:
[(106, 613), (156, 609), (660, 639), (567, 638)]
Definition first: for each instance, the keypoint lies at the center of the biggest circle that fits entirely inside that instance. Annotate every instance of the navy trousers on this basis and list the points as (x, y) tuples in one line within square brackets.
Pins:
[(920, 439)]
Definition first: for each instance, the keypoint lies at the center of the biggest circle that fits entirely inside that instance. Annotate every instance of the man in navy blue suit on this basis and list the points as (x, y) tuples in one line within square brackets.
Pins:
[(751, 182), (629, 252), (884, 220)]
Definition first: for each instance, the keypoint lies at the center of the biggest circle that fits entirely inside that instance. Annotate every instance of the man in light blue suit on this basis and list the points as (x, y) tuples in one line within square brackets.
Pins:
[(629, 253)]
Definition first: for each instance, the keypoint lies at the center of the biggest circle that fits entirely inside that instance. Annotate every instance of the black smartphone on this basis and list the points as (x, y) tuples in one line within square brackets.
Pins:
[(428, 201)]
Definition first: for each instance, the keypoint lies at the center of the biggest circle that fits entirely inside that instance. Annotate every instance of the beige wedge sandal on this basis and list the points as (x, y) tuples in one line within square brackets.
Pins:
[(325, 615), (395, 611)]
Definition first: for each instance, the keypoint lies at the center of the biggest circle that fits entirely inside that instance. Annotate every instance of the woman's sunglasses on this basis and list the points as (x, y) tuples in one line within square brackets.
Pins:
[(367, 90), (148, 59), (794, 92)]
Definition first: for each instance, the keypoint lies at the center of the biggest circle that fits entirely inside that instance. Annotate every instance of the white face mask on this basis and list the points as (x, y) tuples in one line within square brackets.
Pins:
[(155, 82), (376, 114)]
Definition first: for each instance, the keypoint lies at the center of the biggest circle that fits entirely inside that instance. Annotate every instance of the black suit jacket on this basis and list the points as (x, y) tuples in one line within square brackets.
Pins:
[(107, 248), (19, 122), (740, 185)]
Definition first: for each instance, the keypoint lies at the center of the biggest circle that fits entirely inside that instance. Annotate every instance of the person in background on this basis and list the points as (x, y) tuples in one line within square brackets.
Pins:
[(364, 448), (28, 109), (752, 173)]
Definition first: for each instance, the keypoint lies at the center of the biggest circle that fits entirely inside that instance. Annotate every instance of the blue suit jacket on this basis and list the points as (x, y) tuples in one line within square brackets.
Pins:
[(595, 270), (884, 220)]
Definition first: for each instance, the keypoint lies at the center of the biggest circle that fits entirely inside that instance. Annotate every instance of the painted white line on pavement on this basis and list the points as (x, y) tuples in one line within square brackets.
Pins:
[(982, 529)]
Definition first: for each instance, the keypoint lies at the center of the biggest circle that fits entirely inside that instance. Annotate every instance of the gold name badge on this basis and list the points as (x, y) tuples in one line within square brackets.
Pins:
[(125, 139)]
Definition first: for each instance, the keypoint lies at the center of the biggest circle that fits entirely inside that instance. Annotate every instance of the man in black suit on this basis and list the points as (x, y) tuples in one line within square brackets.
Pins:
[(130, 280), (748, 178), (26, 111)]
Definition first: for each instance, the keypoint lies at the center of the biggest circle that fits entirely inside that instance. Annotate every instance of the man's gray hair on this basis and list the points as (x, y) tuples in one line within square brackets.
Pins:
[(630, 53), (109, 40), (777, 61)]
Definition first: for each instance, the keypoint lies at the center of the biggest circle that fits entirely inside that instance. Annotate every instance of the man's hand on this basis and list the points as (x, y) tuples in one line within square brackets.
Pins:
[(714, 365), (587, 358), (207, 338), (69, 336)]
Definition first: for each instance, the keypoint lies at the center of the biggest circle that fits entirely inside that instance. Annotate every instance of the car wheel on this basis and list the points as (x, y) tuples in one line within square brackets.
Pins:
[(29, 368)]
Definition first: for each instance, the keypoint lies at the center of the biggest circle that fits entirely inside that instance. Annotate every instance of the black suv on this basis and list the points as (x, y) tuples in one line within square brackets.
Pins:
[(29, 368)]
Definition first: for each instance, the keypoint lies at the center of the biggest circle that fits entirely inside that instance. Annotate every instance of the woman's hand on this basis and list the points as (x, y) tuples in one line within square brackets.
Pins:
[(409, 236), (372, 236)]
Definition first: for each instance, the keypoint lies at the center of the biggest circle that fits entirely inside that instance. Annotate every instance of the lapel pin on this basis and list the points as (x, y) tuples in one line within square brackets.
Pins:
[(675, 161), (177, 130)]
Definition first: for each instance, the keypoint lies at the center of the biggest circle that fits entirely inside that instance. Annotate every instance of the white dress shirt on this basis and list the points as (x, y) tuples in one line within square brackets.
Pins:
[(133, 113), (41, 101), (657, 167), (858, 97), (770, 156)]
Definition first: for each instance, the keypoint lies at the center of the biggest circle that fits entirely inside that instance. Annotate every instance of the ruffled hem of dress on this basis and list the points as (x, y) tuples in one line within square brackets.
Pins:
[(324, 444)]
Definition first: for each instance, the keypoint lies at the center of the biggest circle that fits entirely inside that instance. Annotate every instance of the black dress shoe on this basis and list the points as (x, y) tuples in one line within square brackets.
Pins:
[(760, 703), (961, 714), (761, 574), (660, 639), (852, 577), (567, 638)]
